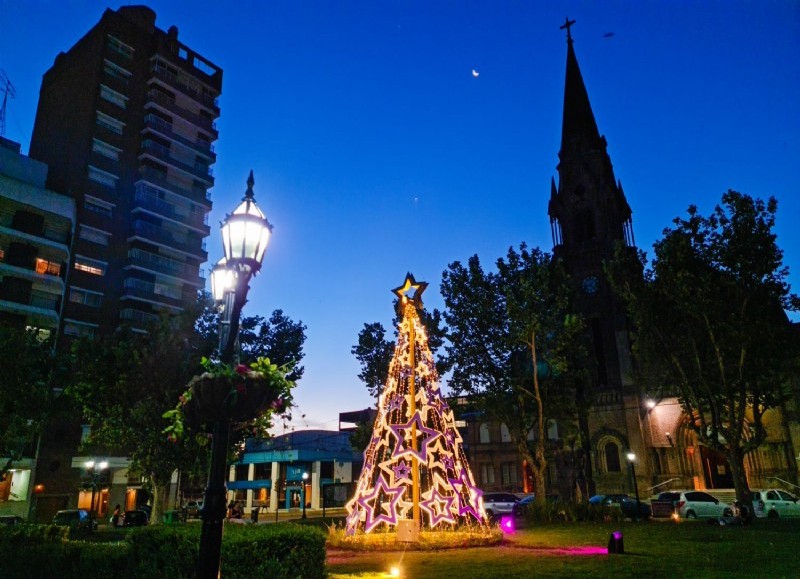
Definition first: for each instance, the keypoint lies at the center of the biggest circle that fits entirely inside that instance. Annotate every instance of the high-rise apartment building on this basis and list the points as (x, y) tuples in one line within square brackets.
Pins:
[(126, 123)]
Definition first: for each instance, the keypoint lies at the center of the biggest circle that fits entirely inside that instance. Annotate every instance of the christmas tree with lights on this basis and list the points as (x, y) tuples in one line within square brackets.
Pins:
[(415, 472)]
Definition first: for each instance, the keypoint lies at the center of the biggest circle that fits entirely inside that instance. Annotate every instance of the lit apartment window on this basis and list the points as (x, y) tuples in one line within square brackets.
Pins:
[(103, 148), (94, 235), (102, 177), (115, 71), (120, 47), (113, 96), (98, 206), (44, 266), (109, 123), (79, 329), (89, 265), (88, 298)]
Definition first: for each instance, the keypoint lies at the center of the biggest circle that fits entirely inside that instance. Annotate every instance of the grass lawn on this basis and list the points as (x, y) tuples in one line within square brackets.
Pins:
[(766, 549)]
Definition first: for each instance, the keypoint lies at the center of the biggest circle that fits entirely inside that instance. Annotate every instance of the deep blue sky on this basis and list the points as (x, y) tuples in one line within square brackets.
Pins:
[(377, 152)]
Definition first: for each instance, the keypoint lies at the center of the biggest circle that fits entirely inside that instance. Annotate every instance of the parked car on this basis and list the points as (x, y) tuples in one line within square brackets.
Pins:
[(775, 503), (75, 519), (626, 504), (134, 519), (499, 503), (523, 503), (696, 505), (193, 508), (11, 520)]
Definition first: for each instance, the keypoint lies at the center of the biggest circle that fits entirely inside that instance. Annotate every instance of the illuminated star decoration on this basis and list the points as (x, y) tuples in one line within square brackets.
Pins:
[(469, 495), (373, 501), (438, 507), (401, 450), (384, 493), (411, 290), (402, 471)]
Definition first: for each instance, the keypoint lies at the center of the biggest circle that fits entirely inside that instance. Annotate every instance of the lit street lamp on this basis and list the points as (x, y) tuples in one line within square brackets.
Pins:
[(632, 457), (305, 478), (95, 470), (245, 234)]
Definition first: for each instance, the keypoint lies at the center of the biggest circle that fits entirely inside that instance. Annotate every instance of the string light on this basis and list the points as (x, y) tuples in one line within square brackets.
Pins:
[(413, 432)]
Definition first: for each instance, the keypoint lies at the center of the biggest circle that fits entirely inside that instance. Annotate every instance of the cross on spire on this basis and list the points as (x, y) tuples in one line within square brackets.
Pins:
[(565, 26)]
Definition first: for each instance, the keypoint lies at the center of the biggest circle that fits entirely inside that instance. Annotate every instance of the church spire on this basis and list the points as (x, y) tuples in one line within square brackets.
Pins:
[(578, 128)]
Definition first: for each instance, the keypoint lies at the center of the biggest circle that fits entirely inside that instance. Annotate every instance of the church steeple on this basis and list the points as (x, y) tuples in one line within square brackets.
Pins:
[(588, 210), (578, 127)]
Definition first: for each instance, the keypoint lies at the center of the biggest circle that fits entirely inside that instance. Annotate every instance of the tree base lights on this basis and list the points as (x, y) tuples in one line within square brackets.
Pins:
[(415, 468)]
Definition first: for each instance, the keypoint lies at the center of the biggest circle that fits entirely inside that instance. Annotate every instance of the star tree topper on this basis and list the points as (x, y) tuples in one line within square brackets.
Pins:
[(411, 290)]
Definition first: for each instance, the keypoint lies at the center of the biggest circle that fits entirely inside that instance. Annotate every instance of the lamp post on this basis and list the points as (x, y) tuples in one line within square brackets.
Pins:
[(305, 479), (245, 234), (631, 458), (94, 469)]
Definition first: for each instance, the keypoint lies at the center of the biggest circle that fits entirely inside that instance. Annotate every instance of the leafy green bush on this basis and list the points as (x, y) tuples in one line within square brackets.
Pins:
[(286, 551), (47, 559), (164, 551), (283, 551), (550, 512)]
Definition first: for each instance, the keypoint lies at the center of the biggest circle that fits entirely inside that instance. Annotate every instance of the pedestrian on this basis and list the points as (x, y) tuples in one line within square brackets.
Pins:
[(115, 516)]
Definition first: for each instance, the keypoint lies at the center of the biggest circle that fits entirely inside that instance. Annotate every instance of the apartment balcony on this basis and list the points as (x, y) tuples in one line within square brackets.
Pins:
[(137, 316), (164, 155), (38, 306), (39, 270), (160, 71), (171, 106), (166, 238), (164, 128), (159, 264), (146, 198), (160, 179), (151, 293), (51, 236)]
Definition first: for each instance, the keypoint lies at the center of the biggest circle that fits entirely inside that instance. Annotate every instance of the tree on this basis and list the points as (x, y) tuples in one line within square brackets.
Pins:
[(123, 383), (374, 352), (513, 345), (25, 384), (279, 338), (710, 324)]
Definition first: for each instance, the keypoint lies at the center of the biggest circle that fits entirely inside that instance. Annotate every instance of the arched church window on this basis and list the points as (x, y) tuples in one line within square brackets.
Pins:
[(505, 436), (484, 433), (611, 451)]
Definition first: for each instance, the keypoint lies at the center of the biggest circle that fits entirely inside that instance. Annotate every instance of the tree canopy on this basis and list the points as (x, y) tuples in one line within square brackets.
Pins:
[(710, 325), (25, 392), (513, 345)]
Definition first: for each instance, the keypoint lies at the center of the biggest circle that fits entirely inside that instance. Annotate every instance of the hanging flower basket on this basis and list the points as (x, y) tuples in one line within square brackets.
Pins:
[(235, 393)]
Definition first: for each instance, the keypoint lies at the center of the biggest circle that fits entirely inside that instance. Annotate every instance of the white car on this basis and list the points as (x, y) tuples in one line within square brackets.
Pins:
[(499, 503), (775, 503), (696, 505)]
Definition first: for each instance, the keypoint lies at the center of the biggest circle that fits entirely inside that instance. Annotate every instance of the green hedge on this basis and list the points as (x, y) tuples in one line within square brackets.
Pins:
[(550, 512), (277, 550)]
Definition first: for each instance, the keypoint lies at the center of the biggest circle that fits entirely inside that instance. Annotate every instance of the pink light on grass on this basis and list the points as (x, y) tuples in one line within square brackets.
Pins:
[(507, 524)]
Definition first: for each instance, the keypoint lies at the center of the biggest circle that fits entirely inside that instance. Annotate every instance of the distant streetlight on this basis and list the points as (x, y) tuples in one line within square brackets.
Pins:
[(95, 469), (245, 234), (631, 458), (305, 478)]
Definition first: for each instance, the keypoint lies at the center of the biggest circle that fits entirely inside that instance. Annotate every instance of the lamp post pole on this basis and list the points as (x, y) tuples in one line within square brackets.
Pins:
[(631, 459), (245, 234)]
